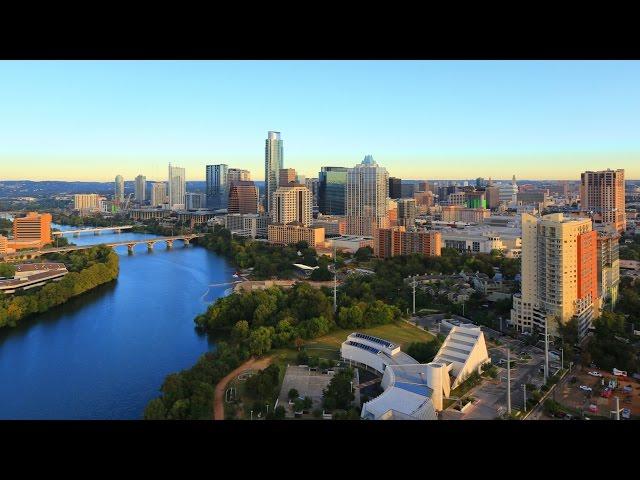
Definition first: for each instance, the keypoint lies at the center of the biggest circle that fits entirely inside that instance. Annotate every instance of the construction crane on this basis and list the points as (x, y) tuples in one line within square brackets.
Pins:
[(126, 203)]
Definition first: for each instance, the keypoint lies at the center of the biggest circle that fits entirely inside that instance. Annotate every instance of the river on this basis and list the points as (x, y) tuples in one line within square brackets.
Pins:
[(105, 354)]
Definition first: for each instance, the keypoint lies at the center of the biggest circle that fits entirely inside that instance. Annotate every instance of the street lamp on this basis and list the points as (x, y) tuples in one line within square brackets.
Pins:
[(251, 414)]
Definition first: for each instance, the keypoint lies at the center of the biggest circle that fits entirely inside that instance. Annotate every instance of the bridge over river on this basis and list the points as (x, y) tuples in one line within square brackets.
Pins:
[(95, 231), (150, 242)]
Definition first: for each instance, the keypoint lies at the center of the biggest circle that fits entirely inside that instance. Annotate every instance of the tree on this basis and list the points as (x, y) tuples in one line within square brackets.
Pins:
[(279, 412), (321, 274), (423, 352), (364, 254), (302, 358), (155, 410), (293, 393), (307, 403), (7, 270), (338, 393), (240, 331), (260, 340)]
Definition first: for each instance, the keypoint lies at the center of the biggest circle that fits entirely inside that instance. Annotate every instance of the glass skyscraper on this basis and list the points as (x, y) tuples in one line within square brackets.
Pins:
[(217, 188), (177, 188), (273, 163), (332, 183)]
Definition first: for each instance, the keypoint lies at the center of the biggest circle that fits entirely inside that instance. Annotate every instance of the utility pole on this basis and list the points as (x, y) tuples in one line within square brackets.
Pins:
[(617, 408), (562, 358), (414, 295), (335, 282), (508, 381), (524, 388), (546, 352)]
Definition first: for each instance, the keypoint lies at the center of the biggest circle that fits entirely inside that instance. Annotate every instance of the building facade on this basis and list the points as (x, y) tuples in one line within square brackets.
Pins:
[(602, 196), (608, 265), (332, 224), (395, 187), (243, 197), (292, 204), (86, 202), (141, 189), (287, 176), (177, 188), (273, 163), (457, 213), (32, 229), (247, 225), (238, 175), (395, 241), (294, 233), (366, 198), (118, 194), (195, 201), (332, 184), (158, 194), (217, 182), (407, 211)]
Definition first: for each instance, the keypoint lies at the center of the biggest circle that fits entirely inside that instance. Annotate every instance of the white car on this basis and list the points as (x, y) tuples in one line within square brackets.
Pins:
[(595, 374), (584, 388)]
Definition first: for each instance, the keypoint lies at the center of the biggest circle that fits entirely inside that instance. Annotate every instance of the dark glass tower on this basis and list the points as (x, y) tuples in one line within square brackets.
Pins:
[(332, 183)]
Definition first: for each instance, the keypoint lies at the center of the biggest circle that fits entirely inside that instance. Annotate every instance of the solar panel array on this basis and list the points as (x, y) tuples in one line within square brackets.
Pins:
[(374, 339), (368, 348)]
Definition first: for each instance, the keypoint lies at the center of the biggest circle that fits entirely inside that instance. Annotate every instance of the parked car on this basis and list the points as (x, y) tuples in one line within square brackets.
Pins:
[(595, 374), (585, 388)]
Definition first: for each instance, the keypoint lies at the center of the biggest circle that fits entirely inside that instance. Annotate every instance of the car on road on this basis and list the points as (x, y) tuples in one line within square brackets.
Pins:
[(585, 388), (595, 374)]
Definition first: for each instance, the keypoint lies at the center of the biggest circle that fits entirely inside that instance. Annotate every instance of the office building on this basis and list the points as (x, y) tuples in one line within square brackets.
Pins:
[(4, 245), (538, 198), (444, 192), (492, 194), (392, 212), (34, 229), (395, 241), (457, 198), (292, 204), (508, 191), (424, 200), (250, 225), (273, 162), (332, 224), (141, 188), (395, 187), (407, 212), (407, 190), (86, 202), (195, 201), (313, 185), (366, 198), (119, 190), (238, 175), (217, 184), (177, 188), (457, 213), (476, 199), (286, 176), (295, 232), (243, 197), (559, 274), (423, 187), (332, 184), (602, 197), (608, 265), (158, 194)]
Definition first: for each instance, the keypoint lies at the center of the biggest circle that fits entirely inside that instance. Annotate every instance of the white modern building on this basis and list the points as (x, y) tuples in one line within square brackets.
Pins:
[(367, 191), (177, 188), (415, 391), (141, 188)]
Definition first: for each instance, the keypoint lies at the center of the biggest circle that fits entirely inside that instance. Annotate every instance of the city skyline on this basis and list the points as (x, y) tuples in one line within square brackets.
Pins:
[(421, 119)]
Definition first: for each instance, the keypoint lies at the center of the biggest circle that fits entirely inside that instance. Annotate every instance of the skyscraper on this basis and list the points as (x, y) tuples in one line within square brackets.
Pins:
[(332, 184), (238, 175), (243, 197), (141, 188), (177, 188), (366, 198), (559, 273), (395, 187), (158, 194), (119, 189), (407, 212), (602, 196), (273, 162), (217, 188), (195, 201), (292, 204)]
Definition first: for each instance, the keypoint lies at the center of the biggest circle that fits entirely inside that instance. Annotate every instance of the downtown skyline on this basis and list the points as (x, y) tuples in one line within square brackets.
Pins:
[(430, 120)]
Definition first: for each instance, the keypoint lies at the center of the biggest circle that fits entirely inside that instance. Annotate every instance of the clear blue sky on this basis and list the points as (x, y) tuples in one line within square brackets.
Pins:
[(81, 120)]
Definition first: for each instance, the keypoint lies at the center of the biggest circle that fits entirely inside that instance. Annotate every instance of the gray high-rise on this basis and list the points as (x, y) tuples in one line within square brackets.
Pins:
[(141, 188), (217, 186), (332, 184), (119, 189), (273, 162)]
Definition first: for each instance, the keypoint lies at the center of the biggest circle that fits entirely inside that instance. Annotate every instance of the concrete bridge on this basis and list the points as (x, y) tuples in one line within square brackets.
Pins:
[(95, 231), (130, 244)]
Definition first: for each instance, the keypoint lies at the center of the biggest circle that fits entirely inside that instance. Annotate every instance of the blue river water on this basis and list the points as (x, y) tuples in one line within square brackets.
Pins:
[(105, 354)]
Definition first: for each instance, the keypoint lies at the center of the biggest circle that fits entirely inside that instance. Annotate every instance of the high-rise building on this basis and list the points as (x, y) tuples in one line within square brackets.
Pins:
[(32, 228), (608, 264), (4, 245), (246, 225), (457, 198), (476, 199), (217, 186), (332, 182), (602, 196), (141, 188), (424, 200), (492, 195), (86, 202), (407, 190), (195, 201), (313, 185), (177, 188), (286, 176), (395, 187), (559, 273), (480, 182), (407, 211), (243, 198), (273, 162), (396, 241), (292, 204), (158, 194), (366, 198), (238, 175), (119, 189)]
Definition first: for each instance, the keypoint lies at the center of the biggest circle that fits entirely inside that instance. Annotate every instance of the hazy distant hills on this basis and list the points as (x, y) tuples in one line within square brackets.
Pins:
[(28, 188)]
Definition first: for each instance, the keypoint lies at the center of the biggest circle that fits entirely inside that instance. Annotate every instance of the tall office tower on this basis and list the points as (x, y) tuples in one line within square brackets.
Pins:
[(286, 176), (217, 186), (158, 194), (476, 199), (407, 210), (141, 188), (395, 187), (86, 202), (119, 189), (273, 162), (602, 195), (292, 204), (366, 198), (559, 273), (313, 185), (243, 197), (33, 227), (332, 184), (238, 175), (177, 188), (195, 201), (492, 196), (608, 264)]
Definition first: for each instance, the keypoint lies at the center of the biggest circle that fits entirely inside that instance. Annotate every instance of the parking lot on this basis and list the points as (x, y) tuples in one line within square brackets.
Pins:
[(308, 383)]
